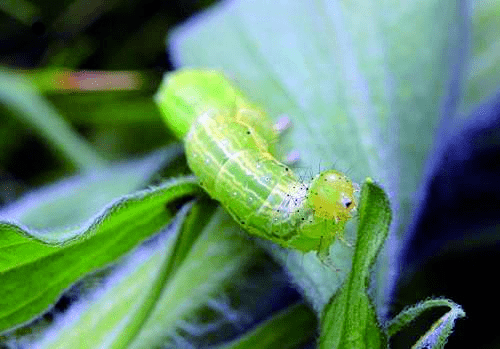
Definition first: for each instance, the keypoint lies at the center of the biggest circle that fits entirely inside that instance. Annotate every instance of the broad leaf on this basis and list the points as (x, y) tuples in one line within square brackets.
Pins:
[(362, 81), (36, 266), (160, 284)]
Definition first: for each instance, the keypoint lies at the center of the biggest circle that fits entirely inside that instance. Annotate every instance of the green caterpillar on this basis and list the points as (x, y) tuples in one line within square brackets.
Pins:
[(230, 147)]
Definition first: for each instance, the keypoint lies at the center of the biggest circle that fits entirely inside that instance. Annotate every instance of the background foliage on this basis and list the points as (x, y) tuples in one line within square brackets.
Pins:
[(414, 83)]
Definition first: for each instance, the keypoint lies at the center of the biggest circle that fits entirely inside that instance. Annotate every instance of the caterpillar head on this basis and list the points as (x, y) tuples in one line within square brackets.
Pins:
[(331, 196)]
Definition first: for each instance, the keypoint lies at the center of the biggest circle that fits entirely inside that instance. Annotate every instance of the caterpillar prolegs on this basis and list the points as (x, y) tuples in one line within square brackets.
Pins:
[(230, 147)]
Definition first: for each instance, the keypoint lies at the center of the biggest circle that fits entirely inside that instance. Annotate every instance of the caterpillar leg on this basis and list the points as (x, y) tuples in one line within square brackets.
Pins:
[(282, 124), (323, 254), (292, 157), (347, 243), (327, 261)]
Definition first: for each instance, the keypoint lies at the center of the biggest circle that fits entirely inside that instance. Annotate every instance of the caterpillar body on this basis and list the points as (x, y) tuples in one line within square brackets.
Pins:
[(230, 147)]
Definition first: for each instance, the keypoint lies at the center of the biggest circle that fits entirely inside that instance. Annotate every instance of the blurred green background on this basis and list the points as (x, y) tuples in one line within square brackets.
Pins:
[(124, 36)]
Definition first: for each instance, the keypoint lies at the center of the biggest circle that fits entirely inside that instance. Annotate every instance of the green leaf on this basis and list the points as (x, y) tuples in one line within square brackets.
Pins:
[(155, 289), (214, 261), (356, 78), (350, 320), (483, 71), (438, 334), (317, 280), (113, 315), (290, 328), (59, 207), (36, 268)]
